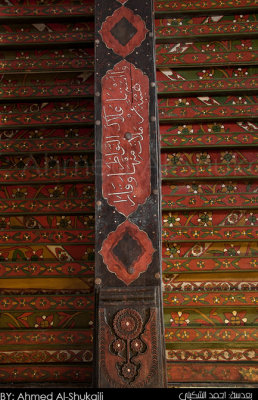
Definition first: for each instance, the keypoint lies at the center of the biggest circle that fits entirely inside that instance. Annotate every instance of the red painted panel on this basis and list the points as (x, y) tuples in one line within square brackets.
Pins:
[(140, 264), (123, 49), (125, 142)]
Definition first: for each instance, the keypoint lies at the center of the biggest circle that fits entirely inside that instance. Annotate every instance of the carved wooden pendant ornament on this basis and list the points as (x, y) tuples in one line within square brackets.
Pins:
[(129, 326)]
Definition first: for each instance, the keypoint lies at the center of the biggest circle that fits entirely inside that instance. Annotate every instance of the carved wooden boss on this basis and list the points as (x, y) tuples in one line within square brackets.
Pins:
[(129, 327)]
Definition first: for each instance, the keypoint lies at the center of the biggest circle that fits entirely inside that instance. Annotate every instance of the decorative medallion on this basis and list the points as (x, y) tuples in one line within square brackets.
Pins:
[(127, 252), (129, 348), (125, 137), (127, 324), (123, 31)]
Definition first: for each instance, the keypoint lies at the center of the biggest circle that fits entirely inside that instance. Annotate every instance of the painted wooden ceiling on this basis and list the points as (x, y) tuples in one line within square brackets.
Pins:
[(207, 82)]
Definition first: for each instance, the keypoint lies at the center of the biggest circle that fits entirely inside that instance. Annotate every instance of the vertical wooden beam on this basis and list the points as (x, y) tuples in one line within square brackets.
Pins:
[(129, 321)]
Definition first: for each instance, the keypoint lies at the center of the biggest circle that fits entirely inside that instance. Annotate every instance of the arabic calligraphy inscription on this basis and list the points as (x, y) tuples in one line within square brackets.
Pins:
[(125, 140)]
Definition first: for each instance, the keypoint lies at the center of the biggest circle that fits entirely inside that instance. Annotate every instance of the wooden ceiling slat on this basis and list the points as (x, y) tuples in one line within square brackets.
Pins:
[(169, 32), (42, 61), (39, 268), (218, 264), (211, 334), (23, 146), (46, 356), (59, 235), (21, 12), (169, 7), (202, 135), (192, 53), (206, 81), (44, 373), (210, 299), (214, 372)]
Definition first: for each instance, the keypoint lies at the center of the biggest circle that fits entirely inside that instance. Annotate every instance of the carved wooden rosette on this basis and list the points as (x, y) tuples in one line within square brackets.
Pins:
[(129, 327)]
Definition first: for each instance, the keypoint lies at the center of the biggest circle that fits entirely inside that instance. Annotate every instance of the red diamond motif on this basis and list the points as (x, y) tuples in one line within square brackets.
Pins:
[(114, 24), (139, 263), (122, 1)]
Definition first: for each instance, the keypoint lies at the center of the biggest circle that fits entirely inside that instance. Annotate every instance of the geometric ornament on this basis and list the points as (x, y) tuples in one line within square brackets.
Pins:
[(127, 252), (123, 31)]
